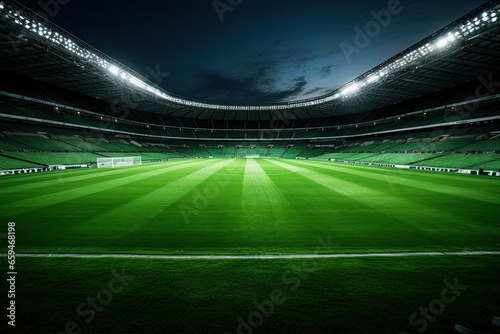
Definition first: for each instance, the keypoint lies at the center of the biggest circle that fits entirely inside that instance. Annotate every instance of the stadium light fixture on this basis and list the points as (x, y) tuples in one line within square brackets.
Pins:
[(113, 70), (373, 78), (442, 43), (350, 89), (58, 38), (447, 40)]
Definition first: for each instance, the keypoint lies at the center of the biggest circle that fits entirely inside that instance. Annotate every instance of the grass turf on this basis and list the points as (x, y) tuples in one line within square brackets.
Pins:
[(375, 295), (246, 206)]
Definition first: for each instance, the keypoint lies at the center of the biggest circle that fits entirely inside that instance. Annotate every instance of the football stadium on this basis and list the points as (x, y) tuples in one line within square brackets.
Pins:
[(128, 208)]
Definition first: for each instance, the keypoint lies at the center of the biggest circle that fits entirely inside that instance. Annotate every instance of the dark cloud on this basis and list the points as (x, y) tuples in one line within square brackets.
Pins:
[(325, 71), (310, 57), (281, 72), (212, 86), (314, 90)]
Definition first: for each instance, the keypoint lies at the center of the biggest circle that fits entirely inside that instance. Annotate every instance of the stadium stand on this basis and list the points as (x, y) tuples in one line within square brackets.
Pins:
[(293, 152), (260, 151), (216, 152), (276, 152), (313, 151), (490, 145), (193, 151), (347, 156), (242, 152), (87, 129), (54, 158), (466, 160), (30, 145), (7, 163)]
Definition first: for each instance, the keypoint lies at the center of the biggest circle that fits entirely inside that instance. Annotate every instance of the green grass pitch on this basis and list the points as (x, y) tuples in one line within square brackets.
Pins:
[(252, 206)]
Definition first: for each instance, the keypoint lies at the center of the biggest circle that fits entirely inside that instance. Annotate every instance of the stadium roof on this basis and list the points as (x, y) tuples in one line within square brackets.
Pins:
[(467, 48)]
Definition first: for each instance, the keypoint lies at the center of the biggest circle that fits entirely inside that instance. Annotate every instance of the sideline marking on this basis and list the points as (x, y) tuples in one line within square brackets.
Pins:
[(255, 256)]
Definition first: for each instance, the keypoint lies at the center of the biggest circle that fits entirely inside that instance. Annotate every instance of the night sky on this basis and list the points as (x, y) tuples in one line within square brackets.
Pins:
[(253, 51)]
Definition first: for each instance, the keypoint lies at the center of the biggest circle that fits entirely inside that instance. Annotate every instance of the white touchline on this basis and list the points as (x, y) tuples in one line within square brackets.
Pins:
[(256, 256)]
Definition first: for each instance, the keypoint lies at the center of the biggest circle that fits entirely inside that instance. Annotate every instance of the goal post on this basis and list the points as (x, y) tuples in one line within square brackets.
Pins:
[(118, 162)]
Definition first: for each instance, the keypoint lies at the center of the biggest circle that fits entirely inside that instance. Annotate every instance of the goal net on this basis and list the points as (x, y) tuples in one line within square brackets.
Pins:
[(118, 162)]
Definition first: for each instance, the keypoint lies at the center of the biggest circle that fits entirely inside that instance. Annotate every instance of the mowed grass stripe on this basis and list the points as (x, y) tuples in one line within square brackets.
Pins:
[(30, 182), (81, 226), (454, 199), (455, 178), (201, 219), (318, 212), (460, 210), (398, 177), (91, 205), (150, 204), (262, 201), (384, 202), (294, 210), (274, 222), (215, 216), (454, 221), (30, 201), (351, 224), (211, 201)]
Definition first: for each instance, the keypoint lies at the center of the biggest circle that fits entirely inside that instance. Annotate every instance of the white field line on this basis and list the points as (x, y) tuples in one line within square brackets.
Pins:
[(256, 256)]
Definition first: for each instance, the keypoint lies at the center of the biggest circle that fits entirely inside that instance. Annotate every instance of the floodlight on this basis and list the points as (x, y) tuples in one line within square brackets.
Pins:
[(2, 6), (442, 43), (113, 69), (352, 88), (447, 40)]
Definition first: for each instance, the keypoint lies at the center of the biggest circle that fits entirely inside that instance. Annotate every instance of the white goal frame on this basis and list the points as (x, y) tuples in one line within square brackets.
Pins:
[(118, 162)]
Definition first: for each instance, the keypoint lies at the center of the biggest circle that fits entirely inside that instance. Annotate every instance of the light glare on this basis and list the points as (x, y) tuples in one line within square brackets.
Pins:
[(352, 88), (442, 43)]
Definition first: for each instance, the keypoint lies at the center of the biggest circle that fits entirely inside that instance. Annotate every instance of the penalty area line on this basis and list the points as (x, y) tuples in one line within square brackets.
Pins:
[(255, 256)]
